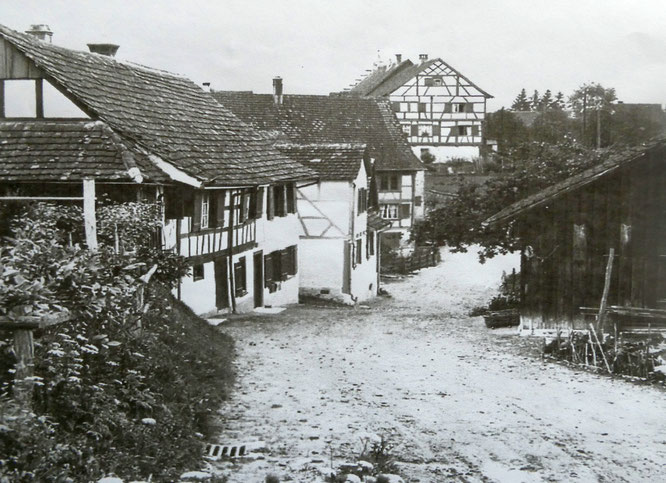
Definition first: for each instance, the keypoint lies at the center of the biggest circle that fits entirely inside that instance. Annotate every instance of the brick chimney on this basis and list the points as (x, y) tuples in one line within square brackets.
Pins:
[(104, 49), (398, 58), (41, 31), (277, 90), (423, 57)]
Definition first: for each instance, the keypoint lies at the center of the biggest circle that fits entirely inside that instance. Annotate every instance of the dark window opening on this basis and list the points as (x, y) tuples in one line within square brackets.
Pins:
[(240, 277), (198, 272)]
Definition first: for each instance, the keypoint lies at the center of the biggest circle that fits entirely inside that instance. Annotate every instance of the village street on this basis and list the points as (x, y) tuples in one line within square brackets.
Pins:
[(460, 402)]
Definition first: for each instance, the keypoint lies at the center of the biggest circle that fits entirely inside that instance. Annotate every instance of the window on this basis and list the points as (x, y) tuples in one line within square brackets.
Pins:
[(436, 130), (437, 81), (414, 130), (406, 128), (289, 262), (358, 252), (370, 244), (205, 205), (460, 130), (395, 106), (425, 130), (460, 107), (198, 272), (362, 200), (405, 210), (389, 182), (428, 82), (240, 278), (390, 211), (423, 107)]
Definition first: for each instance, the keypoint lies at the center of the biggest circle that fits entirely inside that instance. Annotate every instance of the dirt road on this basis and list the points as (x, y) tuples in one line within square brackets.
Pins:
[(461, 403)]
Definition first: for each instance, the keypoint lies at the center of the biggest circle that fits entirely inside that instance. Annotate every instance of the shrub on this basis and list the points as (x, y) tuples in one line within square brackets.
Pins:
[(128, 383)]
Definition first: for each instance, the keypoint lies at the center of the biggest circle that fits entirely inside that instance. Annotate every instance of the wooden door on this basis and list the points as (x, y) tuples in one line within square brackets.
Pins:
[(221, 283), (346, 268), (259, 279)]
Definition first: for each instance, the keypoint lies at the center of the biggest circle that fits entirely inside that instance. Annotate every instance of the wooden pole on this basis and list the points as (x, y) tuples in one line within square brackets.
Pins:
[(2, 98), (25, 352), (601, 318), (39, 98), (89, 219)]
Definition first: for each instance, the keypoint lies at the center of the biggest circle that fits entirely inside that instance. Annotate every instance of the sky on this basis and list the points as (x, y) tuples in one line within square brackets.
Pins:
[(320, 46)]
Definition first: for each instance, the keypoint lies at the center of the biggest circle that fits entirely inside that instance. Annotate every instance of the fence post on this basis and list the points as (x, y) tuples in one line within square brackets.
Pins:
[(89, 219)]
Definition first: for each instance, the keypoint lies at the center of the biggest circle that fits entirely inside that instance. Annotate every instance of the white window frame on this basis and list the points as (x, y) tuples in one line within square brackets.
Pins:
[(391, 211), (459, 107), (205, 204)]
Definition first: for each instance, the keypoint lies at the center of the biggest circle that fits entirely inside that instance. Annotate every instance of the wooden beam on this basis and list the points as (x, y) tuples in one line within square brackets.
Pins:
[(89, 218), (2, 98), (601, 318), (39, 98)]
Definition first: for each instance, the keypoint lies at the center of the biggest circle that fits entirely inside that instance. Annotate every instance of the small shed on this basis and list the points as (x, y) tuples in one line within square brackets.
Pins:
[(567, 231)]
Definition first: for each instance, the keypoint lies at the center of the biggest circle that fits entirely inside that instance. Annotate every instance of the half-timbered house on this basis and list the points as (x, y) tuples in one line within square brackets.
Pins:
[(134, 132), (567, 232), (339, 243), (439, 109), (313, 119)]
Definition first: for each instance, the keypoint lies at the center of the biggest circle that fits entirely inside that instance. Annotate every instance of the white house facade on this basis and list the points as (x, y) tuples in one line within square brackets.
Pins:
[(439, 109)]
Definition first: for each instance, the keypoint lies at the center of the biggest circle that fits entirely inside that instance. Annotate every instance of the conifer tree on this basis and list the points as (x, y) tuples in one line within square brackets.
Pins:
[(521, 102), (534, 101)]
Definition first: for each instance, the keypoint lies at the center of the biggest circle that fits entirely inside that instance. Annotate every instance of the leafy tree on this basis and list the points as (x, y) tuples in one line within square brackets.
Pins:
[(505, 127), (528, 168), (521, 102), (593, 105)]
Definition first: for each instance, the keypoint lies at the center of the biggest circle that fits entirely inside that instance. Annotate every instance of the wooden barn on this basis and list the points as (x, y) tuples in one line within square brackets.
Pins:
[(567, 232)]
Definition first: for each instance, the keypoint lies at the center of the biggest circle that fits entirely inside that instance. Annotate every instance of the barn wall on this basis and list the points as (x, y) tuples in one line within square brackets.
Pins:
[(569, 240)]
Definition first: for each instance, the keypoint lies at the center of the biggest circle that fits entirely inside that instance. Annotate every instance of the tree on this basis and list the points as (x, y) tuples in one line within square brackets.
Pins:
[(521, 103), (546, 101), (534, 101), (593, 101), (505, 127), (528, 168), (559, 102)]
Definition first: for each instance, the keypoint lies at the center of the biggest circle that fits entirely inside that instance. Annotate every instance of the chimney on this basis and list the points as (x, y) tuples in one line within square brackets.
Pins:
[(398, 58), (41, 31), (104, 49), (423, 57), (277, 90), (206, 86)]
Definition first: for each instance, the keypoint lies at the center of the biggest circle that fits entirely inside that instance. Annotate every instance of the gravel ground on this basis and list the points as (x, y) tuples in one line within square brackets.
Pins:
[(460, 402)]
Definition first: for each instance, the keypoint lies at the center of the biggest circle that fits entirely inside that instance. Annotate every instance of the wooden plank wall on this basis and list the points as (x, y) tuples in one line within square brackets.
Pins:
[(571, 238)]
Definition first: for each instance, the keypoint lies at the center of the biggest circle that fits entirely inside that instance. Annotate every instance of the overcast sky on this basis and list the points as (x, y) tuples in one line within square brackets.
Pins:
[(322, 46)]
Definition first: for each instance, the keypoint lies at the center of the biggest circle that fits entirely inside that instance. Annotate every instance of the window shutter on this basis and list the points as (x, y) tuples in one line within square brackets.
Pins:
[(243, 207), (436, 130), (475, 130), (196, 215), (291, 198), (428, 81), (270, 203), (173, 204), (259, 203), (395, 106), (422, 107), (268, 269), (414, 130), (418, 200), (219, 209), (294, 259), (447, 107), (404, 211), (469, 107), (284, 264)]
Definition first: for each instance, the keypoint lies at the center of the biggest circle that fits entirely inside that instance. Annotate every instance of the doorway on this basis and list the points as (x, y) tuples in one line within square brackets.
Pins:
[(221, 283)]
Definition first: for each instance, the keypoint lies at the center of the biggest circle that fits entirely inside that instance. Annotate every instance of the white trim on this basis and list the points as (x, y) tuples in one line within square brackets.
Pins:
[(174, 173)]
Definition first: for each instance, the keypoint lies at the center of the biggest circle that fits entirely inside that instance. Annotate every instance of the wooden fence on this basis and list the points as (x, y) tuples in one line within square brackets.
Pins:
[(421, 257)]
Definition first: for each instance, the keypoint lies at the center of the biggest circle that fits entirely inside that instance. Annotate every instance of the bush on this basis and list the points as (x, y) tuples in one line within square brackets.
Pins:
[(127, 385)]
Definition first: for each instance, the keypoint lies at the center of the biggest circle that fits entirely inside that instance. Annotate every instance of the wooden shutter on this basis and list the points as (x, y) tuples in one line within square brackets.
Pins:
[(469, 107), (447, 107), (219, 208), (284, 264), (243, 210), (259, 203), (294, 259), (422, 107), (270, 203), (291, 198), (253, 205), (395, 106), (414, 130), (436, 130), (268, 269), (475, 130), (428, 82), (196, 215), (404, 211)]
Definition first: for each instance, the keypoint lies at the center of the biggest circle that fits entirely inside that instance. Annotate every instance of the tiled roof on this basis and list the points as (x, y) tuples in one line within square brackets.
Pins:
[(168, 115), (376, 222), (332, 162), (308, 119), (382, 83), (370, 82), (67, 150), (580, 180)]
